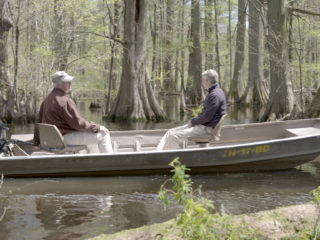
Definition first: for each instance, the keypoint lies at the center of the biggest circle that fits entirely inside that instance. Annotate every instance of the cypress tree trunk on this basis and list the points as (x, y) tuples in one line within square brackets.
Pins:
[(209, 34), (313, 110), (182, 89), (168, 64), (216, 14), (194, 90), (233, 94), (256, 83), (7, 93), (135, 99), (281, 95)]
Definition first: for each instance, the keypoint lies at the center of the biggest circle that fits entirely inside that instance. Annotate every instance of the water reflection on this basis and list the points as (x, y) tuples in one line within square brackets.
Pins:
[(66, 208)]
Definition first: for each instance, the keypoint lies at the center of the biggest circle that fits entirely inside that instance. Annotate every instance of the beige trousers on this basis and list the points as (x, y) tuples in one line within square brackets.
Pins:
[(174, 136), (101, 139)]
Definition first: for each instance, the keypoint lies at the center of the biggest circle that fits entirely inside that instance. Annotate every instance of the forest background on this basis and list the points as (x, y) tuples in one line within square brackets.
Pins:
[(127, 52)]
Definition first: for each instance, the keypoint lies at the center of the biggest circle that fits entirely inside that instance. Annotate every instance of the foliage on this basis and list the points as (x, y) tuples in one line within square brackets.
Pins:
[(85, 27), (5, 209), (197, 221), (196, 111), (316, 199)]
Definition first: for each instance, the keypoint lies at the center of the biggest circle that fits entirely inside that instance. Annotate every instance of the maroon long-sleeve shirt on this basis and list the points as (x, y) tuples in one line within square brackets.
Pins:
[(60, 110)]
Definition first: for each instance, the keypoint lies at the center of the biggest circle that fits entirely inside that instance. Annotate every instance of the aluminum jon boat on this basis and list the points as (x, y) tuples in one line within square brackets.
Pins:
[(243, 147)]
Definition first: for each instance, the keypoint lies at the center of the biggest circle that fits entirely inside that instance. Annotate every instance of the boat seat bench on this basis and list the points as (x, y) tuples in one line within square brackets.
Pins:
[(205, 140), (51, 140)]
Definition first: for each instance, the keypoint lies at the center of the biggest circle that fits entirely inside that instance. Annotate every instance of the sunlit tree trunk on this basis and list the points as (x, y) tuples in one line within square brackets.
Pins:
[(154, 35), (113, 32), (63, 40), (313, 110), (168, 64), (281, 94), (256, 84), (182, 69), (135, 99), (233, 94), (216, 17), (194, 90), (7, 93), (209, 34)]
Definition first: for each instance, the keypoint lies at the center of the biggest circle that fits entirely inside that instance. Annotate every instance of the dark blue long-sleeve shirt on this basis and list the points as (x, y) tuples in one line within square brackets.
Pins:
[(214, 106)]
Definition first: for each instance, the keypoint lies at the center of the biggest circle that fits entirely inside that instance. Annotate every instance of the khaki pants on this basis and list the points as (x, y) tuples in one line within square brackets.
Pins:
[(174, 136), (101, 139)]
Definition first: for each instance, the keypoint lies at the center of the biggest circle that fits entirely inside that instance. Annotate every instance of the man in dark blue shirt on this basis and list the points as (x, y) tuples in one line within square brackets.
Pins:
[(214, 107)]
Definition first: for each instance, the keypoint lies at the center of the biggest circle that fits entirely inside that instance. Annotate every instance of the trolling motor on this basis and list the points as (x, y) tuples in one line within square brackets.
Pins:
[(5, 145)]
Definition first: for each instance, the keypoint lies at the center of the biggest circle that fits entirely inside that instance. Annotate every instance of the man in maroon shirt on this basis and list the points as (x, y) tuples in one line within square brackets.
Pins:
[(59, 109)]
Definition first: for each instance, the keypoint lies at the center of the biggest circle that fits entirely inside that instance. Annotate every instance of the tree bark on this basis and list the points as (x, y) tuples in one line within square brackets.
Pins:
[(194, 90), (7, 93), (63, 40), (216, 17), (135, 99), (281, 94), (230, 42), (256, 83), (313, 110), (168, 64), (233, 94), (182, 89), (209, 34), (154, 36), (113, 32)]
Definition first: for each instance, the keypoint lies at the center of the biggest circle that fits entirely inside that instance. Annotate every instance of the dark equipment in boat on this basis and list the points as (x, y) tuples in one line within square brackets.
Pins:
[(5, 145)]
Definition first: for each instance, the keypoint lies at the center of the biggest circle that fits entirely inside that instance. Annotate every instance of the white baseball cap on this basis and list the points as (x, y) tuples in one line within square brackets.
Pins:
[(62, 76)]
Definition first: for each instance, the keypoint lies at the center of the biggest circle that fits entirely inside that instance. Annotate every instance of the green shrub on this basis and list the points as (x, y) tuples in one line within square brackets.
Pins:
[(197, 221)]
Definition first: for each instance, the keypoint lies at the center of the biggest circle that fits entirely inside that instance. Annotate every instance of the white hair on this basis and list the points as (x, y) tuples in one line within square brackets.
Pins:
[(211, 75)]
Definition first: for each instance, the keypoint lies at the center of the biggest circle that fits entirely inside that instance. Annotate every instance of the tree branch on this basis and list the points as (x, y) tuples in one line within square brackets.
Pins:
[(77, 59), (303, 11), (104, 36)]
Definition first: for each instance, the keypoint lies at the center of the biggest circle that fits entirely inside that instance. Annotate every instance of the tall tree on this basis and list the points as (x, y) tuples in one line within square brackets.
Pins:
[(168, 64), (113, 33), (281, 94), (63, 39), (256, 84), (182, 63), (194, 90), (7, 93), (135, 99), (208, 26), (217, 51), (236, 81)]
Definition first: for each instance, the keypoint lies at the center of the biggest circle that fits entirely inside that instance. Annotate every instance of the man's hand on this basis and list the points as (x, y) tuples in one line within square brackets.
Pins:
[(103, 129), (189, 124)]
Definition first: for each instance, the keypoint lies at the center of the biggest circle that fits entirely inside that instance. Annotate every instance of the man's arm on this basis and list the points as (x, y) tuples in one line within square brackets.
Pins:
[(72, 116)]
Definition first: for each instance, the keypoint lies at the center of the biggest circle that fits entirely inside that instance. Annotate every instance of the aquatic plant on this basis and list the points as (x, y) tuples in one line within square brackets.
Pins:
[(316, 199), (198, 220), (5, 209)]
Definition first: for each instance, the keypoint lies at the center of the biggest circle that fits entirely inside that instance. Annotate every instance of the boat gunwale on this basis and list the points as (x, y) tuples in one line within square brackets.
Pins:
[(210, 148)]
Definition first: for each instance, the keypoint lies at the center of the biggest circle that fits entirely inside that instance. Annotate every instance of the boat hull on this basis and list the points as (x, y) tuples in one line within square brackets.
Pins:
[(259, 156)]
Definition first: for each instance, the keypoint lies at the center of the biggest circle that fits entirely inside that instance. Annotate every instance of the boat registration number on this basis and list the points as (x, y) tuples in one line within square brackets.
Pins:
[(246, 151)]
